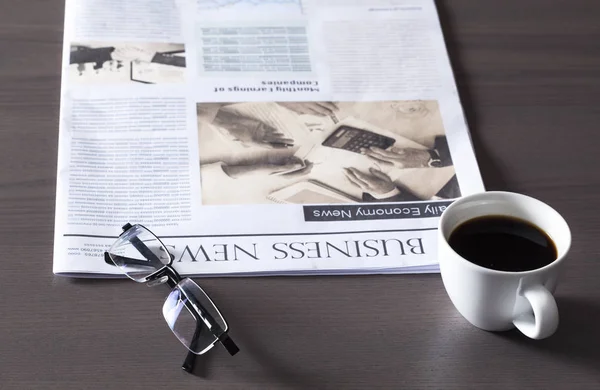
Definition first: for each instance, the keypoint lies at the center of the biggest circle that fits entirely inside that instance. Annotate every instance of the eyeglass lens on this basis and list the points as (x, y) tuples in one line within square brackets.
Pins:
[(193, 317), (139, 253)]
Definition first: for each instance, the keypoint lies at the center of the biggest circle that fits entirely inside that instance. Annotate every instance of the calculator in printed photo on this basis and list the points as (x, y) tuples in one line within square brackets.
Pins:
[(354, 139)]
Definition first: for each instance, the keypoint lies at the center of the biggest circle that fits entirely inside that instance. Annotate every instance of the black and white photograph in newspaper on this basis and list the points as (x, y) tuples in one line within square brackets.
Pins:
[(119, 62), (323, 152)]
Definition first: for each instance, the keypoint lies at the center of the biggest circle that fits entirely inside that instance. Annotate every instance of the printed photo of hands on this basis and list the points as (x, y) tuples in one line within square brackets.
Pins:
[(323, 152)]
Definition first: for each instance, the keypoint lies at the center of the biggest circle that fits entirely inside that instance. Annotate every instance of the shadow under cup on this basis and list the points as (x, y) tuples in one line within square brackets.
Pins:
[(499, 300)]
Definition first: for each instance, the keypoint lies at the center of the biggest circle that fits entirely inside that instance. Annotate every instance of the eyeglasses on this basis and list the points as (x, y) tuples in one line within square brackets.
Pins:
[(188, 310)]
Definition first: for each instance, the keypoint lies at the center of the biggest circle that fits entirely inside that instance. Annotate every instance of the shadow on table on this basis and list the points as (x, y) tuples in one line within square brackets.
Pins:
[(576, 339), (92, 281), (283, 373), (491, 171), (202, 367)]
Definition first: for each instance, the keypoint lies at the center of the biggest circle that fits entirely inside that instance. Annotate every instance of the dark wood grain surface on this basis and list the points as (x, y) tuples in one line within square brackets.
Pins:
[(529, 76)]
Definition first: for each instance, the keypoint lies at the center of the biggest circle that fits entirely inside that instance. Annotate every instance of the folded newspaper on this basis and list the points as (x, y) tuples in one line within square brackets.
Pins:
[(259, 137)]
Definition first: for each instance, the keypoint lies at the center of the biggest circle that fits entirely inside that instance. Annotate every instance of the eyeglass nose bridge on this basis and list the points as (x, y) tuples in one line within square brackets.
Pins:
[(166, 274), (158, 281)]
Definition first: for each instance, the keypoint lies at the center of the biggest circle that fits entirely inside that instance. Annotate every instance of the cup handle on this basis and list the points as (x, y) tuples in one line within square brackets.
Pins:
[(543, 321)]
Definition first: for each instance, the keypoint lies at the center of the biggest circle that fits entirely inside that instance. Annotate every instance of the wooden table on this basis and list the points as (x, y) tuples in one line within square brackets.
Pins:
[(529, 76)]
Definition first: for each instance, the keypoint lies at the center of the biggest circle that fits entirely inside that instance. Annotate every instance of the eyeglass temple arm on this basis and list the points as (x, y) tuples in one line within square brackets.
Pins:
[(126, 260), (138, 244), (146, 252)]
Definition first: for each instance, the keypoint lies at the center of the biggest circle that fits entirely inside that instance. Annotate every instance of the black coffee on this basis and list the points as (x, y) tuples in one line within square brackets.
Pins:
[(503, 243)]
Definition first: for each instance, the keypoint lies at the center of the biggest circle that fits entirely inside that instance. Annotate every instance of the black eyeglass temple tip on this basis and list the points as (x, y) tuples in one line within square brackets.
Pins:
[(107, 259), (190, 361), (225, 340), (229, 345)]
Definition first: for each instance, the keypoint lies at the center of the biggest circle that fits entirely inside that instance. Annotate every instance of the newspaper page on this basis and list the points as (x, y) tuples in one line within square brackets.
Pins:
[(259, 137)]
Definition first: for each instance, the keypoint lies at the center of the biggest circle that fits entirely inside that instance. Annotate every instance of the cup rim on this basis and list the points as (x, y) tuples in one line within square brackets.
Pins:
[(467, 198)]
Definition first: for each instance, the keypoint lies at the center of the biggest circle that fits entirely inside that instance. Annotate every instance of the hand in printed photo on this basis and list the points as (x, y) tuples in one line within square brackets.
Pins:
[(289, 168), (311, 108), (375, 182), (398, 158), (250, 131), (305, 168)]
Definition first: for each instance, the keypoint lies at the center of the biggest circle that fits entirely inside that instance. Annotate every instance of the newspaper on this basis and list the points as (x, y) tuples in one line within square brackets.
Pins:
[(259, 137)]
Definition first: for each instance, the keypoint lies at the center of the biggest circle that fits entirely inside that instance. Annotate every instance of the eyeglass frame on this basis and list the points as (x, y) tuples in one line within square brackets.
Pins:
[(167, 274)]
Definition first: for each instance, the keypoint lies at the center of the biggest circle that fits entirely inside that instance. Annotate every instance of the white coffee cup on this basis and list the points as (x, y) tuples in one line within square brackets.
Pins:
[(497, 300)]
